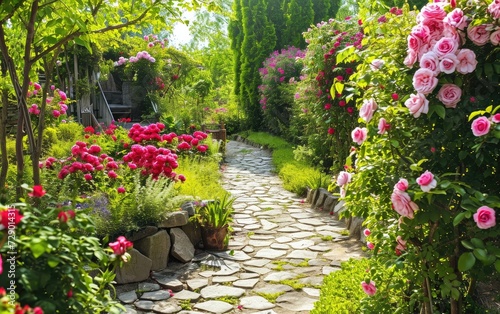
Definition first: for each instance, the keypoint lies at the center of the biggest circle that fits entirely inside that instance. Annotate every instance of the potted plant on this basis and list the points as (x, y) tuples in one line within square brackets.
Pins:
[(214, 218)]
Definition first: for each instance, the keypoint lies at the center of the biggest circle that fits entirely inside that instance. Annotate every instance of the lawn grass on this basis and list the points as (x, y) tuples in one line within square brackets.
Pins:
[(296, 175)]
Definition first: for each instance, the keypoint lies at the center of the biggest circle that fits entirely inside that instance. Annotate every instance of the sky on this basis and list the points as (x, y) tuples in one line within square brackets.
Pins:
[(181, 35)]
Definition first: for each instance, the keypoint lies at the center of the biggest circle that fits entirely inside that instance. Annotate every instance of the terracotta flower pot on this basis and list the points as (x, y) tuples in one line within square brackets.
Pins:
[(214, 238)]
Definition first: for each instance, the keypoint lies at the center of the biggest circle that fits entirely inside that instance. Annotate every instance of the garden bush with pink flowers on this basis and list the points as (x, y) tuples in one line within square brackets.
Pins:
[(425, 170)]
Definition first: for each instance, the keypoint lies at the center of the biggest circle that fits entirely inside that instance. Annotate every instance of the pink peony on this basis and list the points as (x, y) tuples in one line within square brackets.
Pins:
[(445, 46), (449, 95), (466, 61), (343, 178), (383, 126), (456, 18), (369, 288), (480, 126), (479, 34), (485, 217), (417, 104), (402, 185), (424, 81), (430, 61), (427, 181), (367, 109), (359, 135), (494, 9), (121, 190), (403, 204), (448, 63)]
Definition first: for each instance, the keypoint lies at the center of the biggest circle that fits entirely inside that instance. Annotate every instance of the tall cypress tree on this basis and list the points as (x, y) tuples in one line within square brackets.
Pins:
[(236, 35), (321, 10), (300, 16), (258, 42), (276, 16)]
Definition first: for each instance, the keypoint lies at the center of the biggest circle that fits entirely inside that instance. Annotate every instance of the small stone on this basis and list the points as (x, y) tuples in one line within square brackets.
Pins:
[(144, 305), (156, 295), (311, 292), (248, 249), (128, 297), (197, 283), (302, 235), (174, 219), (317, 262), (148, 286), (260, 243), (213, 292), (312, 222), (165, 307), (288, 230), (223, 279), (328, 269), (136, 270), (257, 262), (187, 295), (295, 302), (303, 244), (273, 289), (129, 310), (302, 254), (270, 253), (216, 307), (248, 275), (280, 276), (320, 248), (233, 256), (280, 246), (256, 303), (246, 283), (169, 282), (284, 239)]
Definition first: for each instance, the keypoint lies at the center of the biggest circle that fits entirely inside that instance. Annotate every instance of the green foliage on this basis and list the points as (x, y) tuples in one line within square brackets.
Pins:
[(203, 178), (299, 17), (216, 213), (271, 297), (50, 251)]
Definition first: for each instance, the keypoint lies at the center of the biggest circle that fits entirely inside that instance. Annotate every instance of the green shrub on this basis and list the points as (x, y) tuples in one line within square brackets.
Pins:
[(203, 178)]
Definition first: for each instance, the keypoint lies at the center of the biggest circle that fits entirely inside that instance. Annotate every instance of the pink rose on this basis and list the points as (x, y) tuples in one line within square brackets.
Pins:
[(427, 181), (485, 217), (369, 288), (367, 232), (411, 58), (496, 118), (422, 32), (456, 18), (383, 126), (401, 244), (403, 204), (359, 135), (466, 61), (414, 42), (120, 246), (343, 178), (494, 9), (480, 126), (417, 104), (495, 37), (424, 81), (432, 11), (479, 35), (430, 61), (436, 28), (445, 46), (367, 109), (402, 185), (449, 95), (370, 245), (448, 63)]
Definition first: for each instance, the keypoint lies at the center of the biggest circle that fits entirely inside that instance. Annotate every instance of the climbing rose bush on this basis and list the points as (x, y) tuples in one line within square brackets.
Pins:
[(425, 176)]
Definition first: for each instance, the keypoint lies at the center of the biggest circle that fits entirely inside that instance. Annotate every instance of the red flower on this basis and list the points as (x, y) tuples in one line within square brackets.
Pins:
[(62, 217), (120, 246), (182, 178), (121, 190), (89, 129), (331, 131), (70, 293), (38, 191), (9, 216), (395, 96)]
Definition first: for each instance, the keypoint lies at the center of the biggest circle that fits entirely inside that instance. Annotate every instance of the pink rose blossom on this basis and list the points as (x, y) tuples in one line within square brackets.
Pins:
[(430, 61), (432, 11), (448, 63), (422, 32), (401, 244), (496, 118), (456, 18), (480, 126), (56, 113), (367, 109), (436, 28), (367, 232), (120, 246), (485, 217), (417, 104), (370, 245), (494, 9), (445, 46), (427, 181), (495, 37), (383, 126), (449, 95), (424, 81), (369, 288), (411, 58), (403, 204), (121, 190), (479, 35), (402, 185), (466, 61), (359, 135), (343, 178), (376, 64)]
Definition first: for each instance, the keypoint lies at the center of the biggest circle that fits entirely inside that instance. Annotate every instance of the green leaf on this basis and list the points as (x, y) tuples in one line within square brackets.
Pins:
[(497, 265), (488, 70), (458, 218), (466, 261), (339, 87), (38, 249), (476, 113), (467, 245), (478, 243), (481, 254), (53, 261), (440, 111), (395, 143), (444, 184)]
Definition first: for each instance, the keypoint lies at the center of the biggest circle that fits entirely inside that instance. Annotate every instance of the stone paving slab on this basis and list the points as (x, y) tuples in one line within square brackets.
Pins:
[(277, 237)]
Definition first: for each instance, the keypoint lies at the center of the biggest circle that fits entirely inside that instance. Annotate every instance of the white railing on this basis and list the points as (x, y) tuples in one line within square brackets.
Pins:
[(103, 112)]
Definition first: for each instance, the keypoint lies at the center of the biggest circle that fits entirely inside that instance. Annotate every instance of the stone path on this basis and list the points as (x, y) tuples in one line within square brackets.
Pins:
[(277, 258)]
